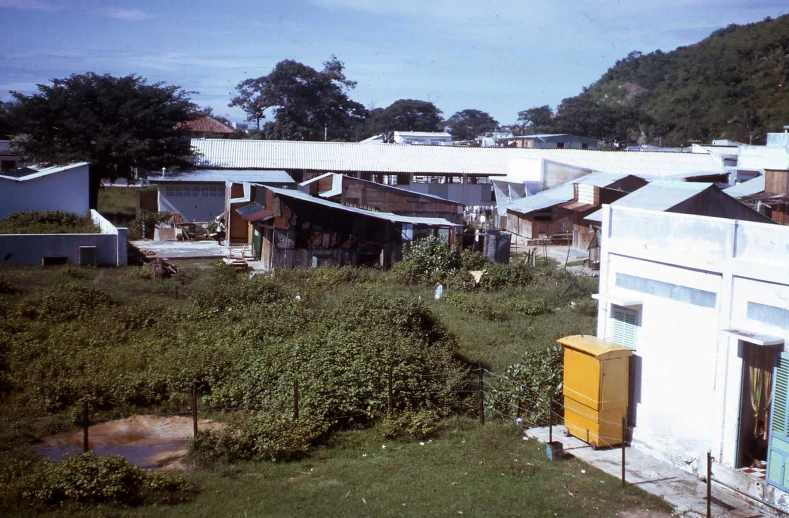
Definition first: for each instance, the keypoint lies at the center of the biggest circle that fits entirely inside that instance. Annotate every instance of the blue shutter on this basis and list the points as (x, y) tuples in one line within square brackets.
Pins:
[(778, 447)]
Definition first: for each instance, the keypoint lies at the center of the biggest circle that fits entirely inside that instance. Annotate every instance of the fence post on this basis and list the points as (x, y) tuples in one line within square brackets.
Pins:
[(481, 397), (709, 484), (295, 400), (550, 422), (389, 402), (624, 436), (194, 409), (85, 423)]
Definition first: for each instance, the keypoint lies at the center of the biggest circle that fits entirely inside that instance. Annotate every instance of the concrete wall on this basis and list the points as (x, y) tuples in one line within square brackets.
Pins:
[(687, 393), (19, 249), (66, 190)]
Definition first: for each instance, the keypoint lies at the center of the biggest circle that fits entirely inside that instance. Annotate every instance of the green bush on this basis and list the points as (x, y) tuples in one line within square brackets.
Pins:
[(90, 479), (531, 307), (149, 220), (71, 301), (427, 260), (585, 307), (501, 276), (533, 385), (471, 261), (422, 424), (47, 222)]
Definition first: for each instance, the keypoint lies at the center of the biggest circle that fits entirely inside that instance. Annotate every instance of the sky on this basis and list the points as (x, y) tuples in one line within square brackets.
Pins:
[(495, 56)]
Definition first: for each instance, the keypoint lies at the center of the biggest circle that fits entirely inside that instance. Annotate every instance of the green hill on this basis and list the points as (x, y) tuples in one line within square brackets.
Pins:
[(733, 84)]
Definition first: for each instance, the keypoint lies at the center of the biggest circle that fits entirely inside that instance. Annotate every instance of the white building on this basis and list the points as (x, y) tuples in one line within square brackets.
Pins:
[(65, 188), (704, 303), (418, 138)]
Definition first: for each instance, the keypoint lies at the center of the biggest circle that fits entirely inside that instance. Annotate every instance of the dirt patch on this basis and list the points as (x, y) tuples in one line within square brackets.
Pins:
[(147, 441)]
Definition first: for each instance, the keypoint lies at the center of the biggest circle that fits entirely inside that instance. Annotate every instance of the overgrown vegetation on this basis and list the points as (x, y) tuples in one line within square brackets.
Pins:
[(245, 343), (47, 222)]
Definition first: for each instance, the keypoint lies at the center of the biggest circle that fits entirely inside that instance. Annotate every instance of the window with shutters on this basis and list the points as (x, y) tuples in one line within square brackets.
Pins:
[(778, 446), (625, 324)]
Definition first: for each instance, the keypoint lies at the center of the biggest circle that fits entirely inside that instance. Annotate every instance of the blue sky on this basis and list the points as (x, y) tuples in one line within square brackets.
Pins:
[(499, 57)]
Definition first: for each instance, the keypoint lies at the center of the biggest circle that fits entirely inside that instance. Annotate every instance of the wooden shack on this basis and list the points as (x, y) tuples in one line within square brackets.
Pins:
[(364, 194), (290, 229)]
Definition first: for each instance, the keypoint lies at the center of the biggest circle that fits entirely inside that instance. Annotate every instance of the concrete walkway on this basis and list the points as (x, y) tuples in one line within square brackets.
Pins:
[(686, 493), (182, 249)]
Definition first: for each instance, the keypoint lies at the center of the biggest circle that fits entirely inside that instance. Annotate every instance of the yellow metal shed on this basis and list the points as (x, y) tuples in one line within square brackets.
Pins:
[(595, 389)]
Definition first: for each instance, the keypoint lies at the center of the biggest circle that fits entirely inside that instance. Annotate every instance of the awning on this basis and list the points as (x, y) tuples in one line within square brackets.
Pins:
[(254, 212), (578, 206), (618, 298), (754, 338)]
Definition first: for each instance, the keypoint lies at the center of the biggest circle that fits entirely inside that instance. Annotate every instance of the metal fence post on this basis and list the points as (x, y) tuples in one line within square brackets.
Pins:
[(481, 397), (624, 437), (295, 400), (85, 446), (709, 484), (194, 409), (389, 402)]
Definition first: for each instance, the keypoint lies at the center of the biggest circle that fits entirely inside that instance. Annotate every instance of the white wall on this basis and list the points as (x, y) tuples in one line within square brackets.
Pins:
[(65, 190), (180, 197), (691, 373), (18, 249)]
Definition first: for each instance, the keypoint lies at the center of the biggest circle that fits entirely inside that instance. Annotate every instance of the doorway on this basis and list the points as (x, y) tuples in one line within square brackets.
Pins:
[(758, 363)]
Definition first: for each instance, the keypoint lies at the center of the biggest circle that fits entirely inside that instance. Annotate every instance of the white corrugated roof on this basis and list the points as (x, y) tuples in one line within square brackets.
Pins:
[(749, 188), (393, 159), (659, 195), (386, 216), (560, 194), (224, 175), (38, 171)]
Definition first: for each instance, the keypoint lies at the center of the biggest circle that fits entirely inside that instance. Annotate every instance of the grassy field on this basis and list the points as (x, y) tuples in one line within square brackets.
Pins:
[(148, 340)]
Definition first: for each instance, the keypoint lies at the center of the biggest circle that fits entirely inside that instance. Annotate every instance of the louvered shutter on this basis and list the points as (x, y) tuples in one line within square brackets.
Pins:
[(778, 447), (625, 327)]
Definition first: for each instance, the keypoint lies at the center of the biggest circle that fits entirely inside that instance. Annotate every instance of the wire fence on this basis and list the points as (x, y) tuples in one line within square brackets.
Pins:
[(479, 390)]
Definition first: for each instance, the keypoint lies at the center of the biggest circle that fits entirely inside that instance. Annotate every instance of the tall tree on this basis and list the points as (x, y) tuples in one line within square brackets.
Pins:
[(467, 124), (307, 104), (8, 122), (538, 119), (118, 124), (405, 115)]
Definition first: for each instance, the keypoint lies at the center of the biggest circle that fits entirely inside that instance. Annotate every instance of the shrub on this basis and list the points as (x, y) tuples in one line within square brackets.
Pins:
[(47, 222), (90, 479), (6, 288), (427, 260), (473, 260), (71, 301), (422, 424), (530, 307), (501, 276), (149, 220), (585, 307), (533, 385)]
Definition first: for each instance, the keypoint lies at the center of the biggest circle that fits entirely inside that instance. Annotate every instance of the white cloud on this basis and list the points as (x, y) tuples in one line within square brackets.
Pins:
[(33, 5), (120, 13)]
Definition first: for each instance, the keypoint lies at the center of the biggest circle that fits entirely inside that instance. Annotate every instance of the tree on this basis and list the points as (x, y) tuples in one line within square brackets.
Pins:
[(405, 115), (8, 125), (306, 104), (538, 119), (118, 124), (467, 124)]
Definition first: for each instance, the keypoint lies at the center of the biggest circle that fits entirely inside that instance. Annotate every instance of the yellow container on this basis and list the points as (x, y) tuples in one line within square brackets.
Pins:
[(595, 389)]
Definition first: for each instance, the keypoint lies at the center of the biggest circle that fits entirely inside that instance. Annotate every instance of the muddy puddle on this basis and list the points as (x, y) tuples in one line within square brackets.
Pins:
[(147, 441)]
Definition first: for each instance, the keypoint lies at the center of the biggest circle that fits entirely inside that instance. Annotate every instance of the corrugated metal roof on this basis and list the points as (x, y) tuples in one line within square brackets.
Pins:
[(336, 189), (428, 134), (660, 195), (224, 175), (33, 172), (749, 188), (392, 159), (386, 216), (560, 194)]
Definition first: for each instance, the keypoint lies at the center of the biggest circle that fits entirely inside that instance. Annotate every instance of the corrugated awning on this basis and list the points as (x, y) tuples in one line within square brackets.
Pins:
[(754, 338), (578, 206), (254, 212)]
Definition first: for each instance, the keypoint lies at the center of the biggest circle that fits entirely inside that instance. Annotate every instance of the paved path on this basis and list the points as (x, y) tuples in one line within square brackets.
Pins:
[(683, 491)]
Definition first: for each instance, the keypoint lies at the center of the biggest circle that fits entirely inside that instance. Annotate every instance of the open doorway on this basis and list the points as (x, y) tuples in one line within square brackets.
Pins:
[(758, 362)]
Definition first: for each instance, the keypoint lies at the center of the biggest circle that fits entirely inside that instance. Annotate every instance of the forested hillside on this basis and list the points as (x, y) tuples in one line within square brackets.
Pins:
[(733, 84)]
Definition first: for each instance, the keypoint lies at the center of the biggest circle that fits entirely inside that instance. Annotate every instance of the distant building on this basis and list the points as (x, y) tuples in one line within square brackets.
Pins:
[(550, 141), (290, 229), (200, 195), (768, 194), (368, 195), (208, 127), (9, 159), (419, 138), (65, 188)]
